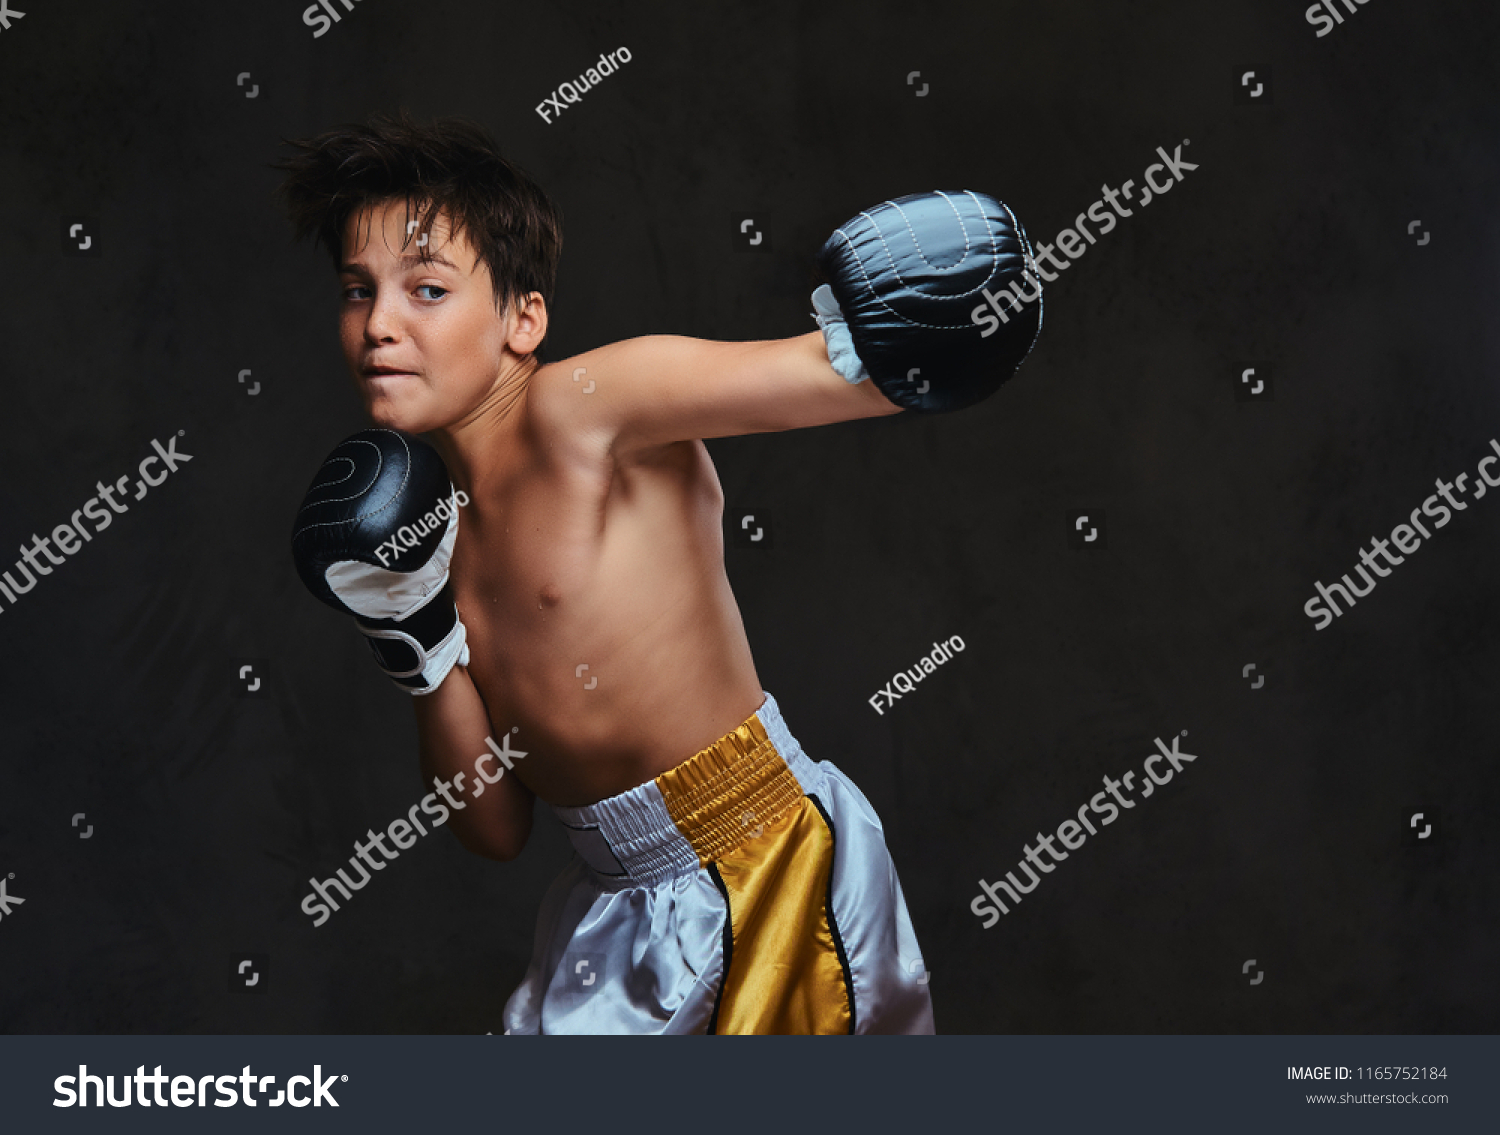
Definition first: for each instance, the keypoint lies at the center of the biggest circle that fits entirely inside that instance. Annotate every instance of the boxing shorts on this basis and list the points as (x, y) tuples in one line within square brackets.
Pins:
[(747, 890)]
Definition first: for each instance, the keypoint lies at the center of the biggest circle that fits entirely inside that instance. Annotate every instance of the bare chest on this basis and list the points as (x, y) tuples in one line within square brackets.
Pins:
[(521, 561)]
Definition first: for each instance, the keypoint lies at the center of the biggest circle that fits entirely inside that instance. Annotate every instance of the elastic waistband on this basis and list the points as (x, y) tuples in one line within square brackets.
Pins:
[(695, 813)]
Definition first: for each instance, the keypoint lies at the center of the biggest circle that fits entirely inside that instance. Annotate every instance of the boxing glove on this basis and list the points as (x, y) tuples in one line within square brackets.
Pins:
[(373, 539), (900, 303)]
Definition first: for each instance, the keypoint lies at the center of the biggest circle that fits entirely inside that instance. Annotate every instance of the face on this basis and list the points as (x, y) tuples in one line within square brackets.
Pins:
[(425, 342)]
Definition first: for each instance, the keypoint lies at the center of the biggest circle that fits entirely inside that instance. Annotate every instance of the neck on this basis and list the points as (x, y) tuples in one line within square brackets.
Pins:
[(470, 446)]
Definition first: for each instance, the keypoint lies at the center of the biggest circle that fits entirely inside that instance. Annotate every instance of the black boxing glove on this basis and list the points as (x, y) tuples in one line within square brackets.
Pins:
[(373, 539), (899, 306)]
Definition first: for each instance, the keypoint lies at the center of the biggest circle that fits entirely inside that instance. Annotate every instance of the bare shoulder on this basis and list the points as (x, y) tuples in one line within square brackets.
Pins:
[(561, 414), (634, 396), (578, 404), (602, 372)]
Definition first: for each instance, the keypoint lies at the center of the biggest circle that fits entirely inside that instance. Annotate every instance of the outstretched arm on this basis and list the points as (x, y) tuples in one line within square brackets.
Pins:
[(907, 315), (660, 389)]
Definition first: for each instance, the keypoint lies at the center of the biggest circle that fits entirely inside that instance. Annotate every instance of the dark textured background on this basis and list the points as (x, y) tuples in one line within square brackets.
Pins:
[(1289, 245)]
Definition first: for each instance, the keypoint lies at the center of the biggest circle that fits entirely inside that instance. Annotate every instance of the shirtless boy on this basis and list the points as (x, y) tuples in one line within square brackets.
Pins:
[(568, 589)]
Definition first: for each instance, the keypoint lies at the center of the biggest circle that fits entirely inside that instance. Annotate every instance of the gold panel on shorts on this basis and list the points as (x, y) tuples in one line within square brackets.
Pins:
[(742, 809), (725, 793)]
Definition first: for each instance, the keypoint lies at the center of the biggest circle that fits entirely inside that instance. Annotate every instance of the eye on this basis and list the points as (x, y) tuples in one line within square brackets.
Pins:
[(350, 289), (432, 288)]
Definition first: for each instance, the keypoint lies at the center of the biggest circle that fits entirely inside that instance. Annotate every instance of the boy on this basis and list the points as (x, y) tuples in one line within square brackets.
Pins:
[(724, 881)]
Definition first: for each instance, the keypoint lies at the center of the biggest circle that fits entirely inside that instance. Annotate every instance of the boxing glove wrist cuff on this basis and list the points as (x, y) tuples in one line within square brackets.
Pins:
[(418, 651), (841, 353)]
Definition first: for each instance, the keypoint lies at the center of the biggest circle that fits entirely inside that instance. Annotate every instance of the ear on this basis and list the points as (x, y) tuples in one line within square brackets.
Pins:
[(528, 323)]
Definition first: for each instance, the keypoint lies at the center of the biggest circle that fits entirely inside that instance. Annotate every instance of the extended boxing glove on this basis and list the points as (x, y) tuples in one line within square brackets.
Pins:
[(904, 279), (373, 538)]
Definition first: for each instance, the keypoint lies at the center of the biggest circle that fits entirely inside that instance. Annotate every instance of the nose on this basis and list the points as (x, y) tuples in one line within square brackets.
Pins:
[(384, 322)]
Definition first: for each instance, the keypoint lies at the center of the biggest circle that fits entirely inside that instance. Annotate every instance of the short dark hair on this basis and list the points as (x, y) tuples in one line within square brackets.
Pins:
[(452, 167)]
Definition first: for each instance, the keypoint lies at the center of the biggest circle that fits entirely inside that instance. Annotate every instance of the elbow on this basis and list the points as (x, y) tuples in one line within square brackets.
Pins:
[(498, 852), (505, 852), (501, 846)]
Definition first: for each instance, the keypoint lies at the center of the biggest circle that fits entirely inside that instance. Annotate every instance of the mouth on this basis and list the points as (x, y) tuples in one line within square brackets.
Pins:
[(386, 372)]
